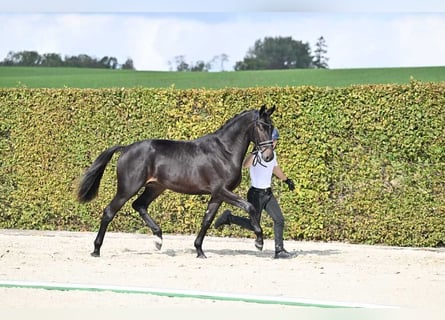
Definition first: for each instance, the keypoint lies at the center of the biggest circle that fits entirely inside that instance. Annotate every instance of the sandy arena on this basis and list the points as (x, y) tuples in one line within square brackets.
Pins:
[(324, 273)]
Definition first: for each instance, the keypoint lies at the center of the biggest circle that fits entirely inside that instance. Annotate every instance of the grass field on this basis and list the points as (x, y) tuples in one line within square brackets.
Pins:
[(37, 77)]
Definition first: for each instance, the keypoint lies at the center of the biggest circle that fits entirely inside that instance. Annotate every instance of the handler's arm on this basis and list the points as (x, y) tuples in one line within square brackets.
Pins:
[(279, 173), (248, 161)]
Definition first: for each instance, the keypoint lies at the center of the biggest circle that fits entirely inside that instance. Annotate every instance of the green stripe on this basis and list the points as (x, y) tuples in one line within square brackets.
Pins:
[(184, 294)]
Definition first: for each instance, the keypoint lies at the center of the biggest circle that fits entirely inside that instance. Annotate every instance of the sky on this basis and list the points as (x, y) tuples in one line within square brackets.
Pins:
[(358, 34)]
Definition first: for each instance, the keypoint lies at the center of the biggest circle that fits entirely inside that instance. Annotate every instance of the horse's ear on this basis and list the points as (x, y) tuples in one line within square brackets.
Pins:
[(262, 109), (270, 111)]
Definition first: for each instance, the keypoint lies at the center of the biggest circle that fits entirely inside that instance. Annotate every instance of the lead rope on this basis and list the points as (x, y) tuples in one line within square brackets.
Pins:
[(257, 158)]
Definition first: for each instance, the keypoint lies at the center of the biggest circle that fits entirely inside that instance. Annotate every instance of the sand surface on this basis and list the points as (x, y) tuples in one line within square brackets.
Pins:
[(406, 278)]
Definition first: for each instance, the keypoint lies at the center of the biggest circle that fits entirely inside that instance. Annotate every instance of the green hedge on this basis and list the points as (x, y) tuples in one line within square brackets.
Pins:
[(368, 161)]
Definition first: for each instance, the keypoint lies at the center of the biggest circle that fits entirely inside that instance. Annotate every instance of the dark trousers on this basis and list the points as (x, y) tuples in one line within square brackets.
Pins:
[(263, 199)]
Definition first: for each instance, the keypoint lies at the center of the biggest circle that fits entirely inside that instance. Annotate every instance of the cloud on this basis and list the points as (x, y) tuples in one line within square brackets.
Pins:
[(419, 39), (389, 41), (119, 6), (152, 40)]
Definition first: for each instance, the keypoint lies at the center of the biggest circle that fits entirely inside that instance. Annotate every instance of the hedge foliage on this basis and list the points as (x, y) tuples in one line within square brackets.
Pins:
[(368, 161)]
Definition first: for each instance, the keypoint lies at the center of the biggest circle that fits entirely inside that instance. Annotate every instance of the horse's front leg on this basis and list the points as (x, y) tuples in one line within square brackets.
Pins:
[(210, 213), (239, 202)]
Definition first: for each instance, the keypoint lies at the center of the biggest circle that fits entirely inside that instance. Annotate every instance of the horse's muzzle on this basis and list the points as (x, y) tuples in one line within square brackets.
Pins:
[(267, 154)]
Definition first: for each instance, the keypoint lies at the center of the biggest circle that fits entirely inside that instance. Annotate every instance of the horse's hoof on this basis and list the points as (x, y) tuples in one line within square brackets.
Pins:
[(95, 254), (201, 255), (158, 243)]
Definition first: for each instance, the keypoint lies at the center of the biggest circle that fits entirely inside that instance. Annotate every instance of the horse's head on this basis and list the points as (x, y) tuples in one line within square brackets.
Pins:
[(262, 133)]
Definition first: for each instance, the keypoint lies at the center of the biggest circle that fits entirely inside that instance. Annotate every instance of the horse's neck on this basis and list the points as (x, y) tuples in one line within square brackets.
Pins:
[(236, 137)]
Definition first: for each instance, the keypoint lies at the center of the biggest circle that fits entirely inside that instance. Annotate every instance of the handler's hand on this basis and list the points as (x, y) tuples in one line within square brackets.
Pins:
[(290, 184)]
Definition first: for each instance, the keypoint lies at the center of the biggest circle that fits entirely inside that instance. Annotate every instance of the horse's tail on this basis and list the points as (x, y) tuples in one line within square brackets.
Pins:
[(89, 185)]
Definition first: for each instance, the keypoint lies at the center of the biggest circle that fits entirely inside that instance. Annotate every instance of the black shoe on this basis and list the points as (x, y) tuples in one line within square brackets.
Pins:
[(223, 219), (259, 244), (282, 254)]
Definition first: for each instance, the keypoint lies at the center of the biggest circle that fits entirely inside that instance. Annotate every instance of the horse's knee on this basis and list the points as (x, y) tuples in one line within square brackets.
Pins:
[(107, 215), (207, 220)]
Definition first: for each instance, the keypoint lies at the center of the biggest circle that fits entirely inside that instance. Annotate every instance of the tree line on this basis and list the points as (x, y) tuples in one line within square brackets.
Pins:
[(34, 59), (268, 53), (182, 65), (283, 53)]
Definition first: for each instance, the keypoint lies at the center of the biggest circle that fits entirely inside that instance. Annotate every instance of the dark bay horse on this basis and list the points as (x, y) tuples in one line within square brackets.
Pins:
[(208, 165)]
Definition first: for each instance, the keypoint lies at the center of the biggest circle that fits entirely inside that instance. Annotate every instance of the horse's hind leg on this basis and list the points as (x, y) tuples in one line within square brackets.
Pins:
[(107, 216), (127, 187), (151, 192)]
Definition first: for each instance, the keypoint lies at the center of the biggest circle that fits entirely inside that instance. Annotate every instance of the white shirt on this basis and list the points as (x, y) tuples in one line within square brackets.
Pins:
[(261, 174)]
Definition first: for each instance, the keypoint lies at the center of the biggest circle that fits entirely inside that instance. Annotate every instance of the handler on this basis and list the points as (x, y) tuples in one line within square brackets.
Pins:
[(261, 197)]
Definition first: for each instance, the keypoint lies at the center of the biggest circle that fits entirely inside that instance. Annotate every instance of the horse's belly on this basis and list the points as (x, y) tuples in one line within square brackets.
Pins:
[(189, 189)]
